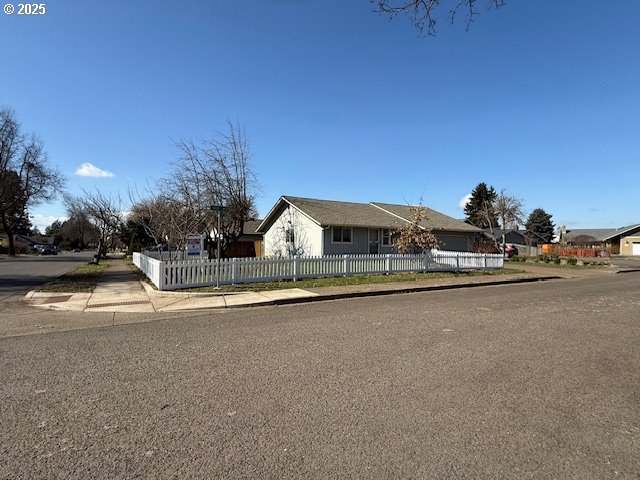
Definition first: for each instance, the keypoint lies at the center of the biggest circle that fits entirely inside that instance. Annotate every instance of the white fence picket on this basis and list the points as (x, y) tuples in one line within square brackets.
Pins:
[(192, 272)]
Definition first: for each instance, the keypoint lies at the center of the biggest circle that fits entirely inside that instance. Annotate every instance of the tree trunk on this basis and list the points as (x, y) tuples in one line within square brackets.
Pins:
[(9, 232)]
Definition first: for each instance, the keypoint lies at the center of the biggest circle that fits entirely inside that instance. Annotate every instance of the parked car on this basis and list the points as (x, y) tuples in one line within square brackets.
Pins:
[(510, 250), (49, 250)]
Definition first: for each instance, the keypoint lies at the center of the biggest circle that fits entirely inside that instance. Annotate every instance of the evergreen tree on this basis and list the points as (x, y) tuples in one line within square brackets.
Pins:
[(539, 222), (480, 208)]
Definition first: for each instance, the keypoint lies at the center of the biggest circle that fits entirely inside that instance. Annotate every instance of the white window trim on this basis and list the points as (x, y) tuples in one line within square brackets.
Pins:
[(341, 243), (390, 244)]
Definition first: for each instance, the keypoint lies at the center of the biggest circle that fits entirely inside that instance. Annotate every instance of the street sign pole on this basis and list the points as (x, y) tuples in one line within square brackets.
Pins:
[(219, 209), (218, 252)]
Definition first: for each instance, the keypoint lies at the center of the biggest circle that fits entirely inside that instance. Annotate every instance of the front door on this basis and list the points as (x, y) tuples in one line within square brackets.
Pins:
[(373, 241)]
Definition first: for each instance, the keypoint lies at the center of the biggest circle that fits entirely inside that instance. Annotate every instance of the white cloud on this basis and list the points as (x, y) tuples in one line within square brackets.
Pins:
[(43, 221), (464, 200), (90, 170)]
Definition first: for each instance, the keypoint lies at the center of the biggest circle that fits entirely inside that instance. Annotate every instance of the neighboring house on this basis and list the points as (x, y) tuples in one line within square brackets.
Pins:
[(307, 226), (524, 240), (42, 240), (617, 241), (249, 244), (21, 243), (516, 237)]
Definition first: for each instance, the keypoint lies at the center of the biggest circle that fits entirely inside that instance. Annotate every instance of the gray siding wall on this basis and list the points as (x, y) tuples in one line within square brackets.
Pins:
[(456, 242), (360, 242), (359, 245), (460, 242)]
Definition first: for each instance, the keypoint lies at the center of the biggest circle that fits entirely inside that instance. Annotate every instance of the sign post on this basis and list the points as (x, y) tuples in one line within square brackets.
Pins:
[(219, 209)]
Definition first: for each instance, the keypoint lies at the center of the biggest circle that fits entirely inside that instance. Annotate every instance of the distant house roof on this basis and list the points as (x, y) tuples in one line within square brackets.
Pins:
[(42, 239), (600, 234), (373, 215), (18, 238), (520, 232), (250, 227), (628, 230)]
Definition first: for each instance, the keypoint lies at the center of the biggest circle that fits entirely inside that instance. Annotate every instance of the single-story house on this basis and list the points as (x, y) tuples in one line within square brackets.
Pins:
[(617, 241), (307, 226), (22, 243)]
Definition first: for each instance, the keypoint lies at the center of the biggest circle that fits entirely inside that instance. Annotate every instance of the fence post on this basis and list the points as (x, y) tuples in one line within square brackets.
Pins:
[(485, 261), (387, 261), (346, 264), (457, 261), (162, 275), (296, 267), (234, 270)]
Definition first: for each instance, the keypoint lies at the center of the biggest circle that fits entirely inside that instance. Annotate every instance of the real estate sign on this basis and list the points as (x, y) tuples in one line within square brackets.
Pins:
[(194, 244)]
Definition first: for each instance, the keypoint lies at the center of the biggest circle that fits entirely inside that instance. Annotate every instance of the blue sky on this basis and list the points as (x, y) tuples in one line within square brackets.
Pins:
[(541, 99)]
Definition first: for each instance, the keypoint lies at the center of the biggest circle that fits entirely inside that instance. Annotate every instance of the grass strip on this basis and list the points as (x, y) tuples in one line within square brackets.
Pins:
[(541, 263), (351, 280), (83, 279)]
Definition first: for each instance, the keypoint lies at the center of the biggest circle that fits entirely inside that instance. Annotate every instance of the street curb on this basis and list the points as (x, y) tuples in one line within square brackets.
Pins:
[(630, 270), (377, 293)]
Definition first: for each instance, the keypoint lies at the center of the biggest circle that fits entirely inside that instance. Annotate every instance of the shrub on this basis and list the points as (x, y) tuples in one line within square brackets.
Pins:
[(572, 261), (586, 262), (546, 258)]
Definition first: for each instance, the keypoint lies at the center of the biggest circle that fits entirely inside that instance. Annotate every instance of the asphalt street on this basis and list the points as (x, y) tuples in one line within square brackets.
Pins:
[(521, 381), (20, 274)]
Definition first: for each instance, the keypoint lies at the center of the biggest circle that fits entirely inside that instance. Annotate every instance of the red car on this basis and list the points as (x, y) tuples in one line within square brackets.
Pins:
[(510, 250)]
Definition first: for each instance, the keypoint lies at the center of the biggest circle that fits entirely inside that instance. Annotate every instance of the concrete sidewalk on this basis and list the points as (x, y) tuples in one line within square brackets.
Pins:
[(119, 290)]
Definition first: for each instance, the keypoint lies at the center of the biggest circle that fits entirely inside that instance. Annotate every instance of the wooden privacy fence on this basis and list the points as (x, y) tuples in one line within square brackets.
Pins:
[(197, 272), (550, 249)]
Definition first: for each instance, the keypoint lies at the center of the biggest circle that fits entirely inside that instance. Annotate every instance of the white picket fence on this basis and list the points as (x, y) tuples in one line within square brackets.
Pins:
[(196, 272)]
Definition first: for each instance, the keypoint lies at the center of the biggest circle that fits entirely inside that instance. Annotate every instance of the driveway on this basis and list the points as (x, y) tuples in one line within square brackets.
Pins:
[(626, 262)]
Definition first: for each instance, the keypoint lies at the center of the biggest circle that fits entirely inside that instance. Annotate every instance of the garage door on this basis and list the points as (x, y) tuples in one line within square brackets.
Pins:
[(636, 248)]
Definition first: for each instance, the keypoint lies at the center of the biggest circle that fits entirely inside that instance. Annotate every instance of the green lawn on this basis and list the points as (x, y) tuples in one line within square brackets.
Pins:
[(352, 280), (81, 280)]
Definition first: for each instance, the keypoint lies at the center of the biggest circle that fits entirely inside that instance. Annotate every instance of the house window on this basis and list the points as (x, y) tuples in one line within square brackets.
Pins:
[(342, 235), (289, 235), (387, 239)]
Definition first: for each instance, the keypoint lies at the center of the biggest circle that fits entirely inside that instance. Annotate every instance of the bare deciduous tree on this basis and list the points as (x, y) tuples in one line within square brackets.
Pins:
[(26, 179), (413, 235), (105, 214), (78, 228), (424, 13), (510, 213), (167, 219), (215, 172)]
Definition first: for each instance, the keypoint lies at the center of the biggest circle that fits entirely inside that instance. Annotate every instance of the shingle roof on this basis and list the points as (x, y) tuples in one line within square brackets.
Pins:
[(592, 234), (348, 214), (435, 220), (374, 215), (624, 230), (522, 232), (250, 226)]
